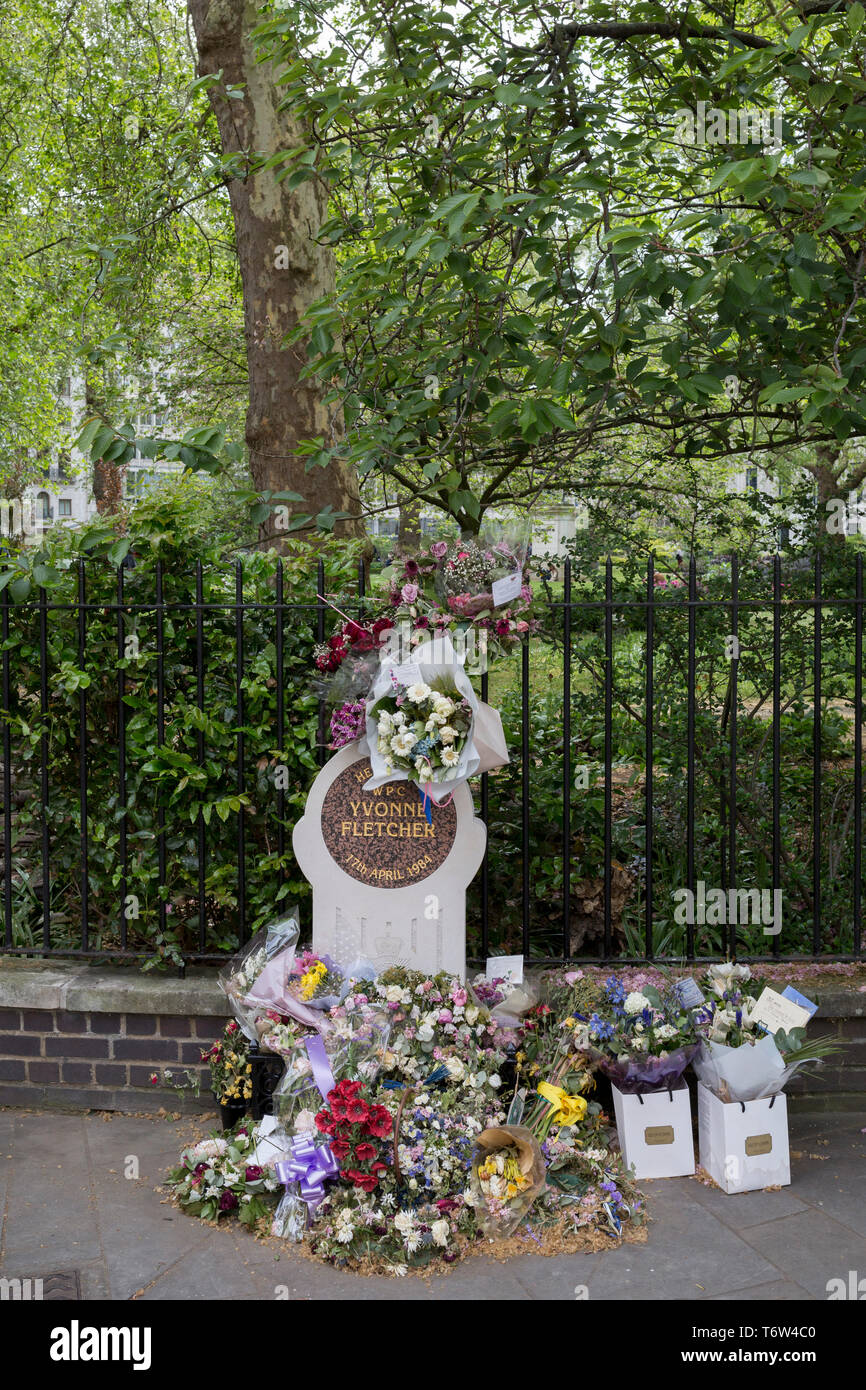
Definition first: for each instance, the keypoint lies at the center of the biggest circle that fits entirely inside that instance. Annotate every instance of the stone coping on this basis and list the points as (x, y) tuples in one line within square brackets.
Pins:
[(27, 984), (83, 988)]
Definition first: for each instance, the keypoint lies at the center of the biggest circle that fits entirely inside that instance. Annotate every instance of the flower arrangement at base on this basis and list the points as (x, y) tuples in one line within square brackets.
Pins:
[(508, 1173), (391, 1148), (230, 1067), (643, 1040), (216, 1179), (422, 729), (739, 1059), (355, 1128)]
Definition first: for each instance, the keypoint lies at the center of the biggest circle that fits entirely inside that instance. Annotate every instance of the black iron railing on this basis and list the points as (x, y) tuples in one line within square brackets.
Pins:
[(754, 834)]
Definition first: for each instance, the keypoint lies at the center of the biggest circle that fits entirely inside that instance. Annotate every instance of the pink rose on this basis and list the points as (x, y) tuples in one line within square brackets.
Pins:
[(445, 1015), (409, 593), (439, 548)]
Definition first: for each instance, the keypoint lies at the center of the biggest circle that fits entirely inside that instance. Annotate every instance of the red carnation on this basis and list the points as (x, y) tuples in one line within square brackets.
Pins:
[(364, 1152), (367, 1182), (357, 1111), (379, 1122), (324, 1123), (338, 1108), (340, 1148)]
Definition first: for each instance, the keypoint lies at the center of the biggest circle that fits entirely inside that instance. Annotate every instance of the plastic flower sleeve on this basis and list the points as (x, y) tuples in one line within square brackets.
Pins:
[(291, 1216), (268, 954), (631, 1075), (747, 1072), (357, 1043), (508, 1172)]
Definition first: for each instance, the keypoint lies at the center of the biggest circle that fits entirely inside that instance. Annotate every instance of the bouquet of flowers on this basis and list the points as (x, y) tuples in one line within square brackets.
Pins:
[(317, 981), (356, 1128), (422, 729), (739, 1059), (643, 1040), (215, 1178), (258, 973), (507, 1174), (229, 1063)]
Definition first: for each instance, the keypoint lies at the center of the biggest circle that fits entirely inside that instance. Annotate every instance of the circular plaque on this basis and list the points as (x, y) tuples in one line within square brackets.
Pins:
[(381, 837)]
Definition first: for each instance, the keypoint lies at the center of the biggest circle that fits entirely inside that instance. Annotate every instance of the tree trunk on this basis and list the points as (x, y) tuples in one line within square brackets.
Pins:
[(409, 530), (283, 270)]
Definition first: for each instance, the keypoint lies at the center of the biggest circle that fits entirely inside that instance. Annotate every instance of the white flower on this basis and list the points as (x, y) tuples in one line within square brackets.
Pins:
[(471, 1014), (456, 1069), (399, 1271), (422, 765), (450, 757), (405, 1222), (209, 1148), (384, 722), (664, 1032), (444, 705), (495, 1081), (440, 1230), (636, 1002), (305, 1122), (394, 994), (724, 976), (418, 692), (447, 734), (404, 742), (425, 1033)]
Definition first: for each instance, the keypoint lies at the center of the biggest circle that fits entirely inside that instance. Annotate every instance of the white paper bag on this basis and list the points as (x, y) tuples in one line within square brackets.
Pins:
[(655, 1132), (744, 1144)]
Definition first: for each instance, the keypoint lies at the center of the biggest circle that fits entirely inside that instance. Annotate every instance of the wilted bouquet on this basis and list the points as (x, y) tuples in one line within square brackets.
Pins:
[(423, 729)]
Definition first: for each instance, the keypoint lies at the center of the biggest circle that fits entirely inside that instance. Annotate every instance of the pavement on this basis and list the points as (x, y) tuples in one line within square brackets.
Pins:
[(78, 1198)]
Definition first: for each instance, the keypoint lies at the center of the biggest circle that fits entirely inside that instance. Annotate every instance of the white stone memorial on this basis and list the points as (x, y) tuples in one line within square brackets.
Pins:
[(387, 886)]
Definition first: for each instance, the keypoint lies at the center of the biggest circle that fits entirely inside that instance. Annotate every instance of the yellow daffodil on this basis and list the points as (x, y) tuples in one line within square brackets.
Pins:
[(568, 1110)]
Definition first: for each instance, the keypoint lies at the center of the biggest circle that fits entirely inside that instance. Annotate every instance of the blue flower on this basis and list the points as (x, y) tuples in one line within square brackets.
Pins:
[(615, 990), (599, 1028)]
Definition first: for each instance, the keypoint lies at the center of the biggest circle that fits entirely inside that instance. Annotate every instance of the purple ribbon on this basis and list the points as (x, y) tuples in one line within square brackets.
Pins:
[(311, 1163)]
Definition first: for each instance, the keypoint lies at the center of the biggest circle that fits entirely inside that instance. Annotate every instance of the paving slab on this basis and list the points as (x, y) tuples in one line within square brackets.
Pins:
[(809, 1248), (69, 1205)]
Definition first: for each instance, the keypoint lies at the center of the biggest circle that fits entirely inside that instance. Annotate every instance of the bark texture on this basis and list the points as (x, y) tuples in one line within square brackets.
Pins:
[(283, 270)]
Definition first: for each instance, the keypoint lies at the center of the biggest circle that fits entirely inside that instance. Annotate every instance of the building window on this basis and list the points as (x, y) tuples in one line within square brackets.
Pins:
[(65, 506), (752, 478), (44, 505)]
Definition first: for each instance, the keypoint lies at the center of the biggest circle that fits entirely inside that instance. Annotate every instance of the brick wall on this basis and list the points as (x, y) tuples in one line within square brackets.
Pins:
[(82, 1037), (101, 1060)]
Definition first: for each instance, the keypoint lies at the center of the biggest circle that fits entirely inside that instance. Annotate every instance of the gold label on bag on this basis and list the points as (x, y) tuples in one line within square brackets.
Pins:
[(659, 1134), (759, 1144)]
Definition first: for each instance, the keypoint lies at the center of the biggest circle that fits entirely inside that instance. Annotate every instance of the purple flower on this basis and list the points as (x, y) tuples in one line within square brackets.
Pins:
[(253, 1172), (228, 1201), (409, 593)]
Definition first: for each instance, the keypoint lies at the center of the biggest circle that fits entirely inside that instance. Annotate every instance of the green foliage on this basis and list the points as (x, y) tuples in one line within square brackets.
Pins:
[(537, 264), (190, 777)]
